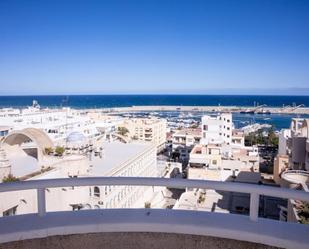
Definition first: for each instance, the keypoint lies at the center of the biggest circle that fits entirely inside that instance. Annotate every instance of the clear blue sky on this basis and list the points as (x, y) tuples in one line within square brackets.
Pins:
[(97, 47)]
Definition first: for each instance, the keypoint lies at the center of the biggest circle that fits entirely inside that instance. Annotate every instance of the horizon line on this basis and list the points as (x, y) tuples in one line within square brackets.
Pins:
[(154, 94)]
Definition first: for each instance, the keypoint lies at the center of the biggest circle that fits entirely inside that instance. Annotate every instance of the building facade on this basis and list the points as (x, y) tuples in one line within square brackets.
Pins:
[(217, 129), (150, 130), (184, 140)]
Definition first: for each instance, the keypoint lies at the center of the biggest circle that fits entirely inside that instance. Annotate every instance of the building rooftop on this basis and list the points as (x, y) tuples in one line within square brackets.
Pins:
[(215, 201), (115, 155), (248, 177), (21, 163), (193, 132)]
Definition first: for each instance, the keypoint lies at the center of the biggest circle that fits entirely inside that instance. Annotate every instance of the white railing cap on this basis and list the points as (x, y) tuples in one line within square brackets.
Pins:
[(152, 181)]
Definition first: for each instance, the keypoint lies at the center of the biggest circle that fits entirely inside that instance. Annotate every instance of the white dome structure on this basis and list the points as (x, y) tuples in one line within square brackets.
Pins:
[(76, 138)]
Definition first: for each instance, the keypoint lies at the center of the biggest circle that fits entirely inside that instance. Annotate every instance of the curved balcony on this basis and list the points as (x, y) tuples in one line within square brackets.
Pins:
[(293, 178), (161, 228)]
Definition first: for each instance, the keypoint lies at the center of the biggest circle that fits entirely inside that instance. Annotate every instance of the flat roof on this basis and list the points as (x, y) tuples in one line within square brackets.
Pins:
[(115, 154), (248, 177), (190, 132), (215, 201)]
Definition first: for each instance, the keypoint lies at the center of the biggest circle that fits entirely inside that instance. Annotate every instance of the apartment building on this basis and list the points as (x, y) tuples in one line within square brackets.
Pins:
[(294, 143), (147, 129), (184, 140), (217, 129), (206, 156)]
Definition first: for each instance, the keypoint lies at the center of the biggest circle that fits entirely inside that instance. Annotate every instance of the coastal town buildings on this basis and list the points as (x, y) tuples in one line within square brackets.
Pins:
[(220, 156), (220, 141), (147, 129), (58, 123)]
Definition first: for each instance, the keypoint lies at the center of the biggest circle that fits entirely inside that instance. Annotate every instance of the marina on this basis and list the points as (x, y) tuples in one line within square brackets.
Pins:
[(215, 109)]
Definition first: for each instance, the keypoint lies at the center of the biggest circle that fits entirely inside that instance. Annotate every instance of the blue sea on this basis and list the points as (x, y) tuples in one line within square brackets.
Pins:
[(98, 101)]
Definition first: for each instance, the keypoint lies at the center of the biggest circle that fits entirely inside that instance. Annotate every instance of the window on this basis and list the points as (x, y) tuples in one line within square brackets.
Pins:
[(205, 127), (96, 191)]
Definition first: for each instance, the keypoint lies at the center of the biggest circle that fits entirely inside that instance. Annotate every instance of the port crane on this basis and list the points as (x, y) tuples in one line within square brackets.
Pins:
[(259, 107), (252, 111), (296, 107)]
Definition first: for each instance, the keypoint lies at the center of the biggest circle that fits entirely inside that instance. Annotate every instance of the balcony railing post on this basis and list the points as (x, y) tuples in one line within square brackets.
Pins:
[(41, 201), (254, 206)]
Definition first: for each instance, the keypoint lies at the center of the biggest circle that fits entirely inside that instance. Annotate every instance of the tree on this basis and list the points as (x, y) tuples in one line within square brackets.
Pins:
[(49, 150), (260, 139), (304, 213), (123, 131), (272, 138), (147, 204), (59, 150)]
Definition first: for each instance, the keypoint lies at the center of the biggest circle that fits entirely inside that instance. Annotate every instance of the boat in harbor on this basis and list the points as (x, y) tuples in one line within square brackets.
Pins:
[(263, 112), (247, 111)]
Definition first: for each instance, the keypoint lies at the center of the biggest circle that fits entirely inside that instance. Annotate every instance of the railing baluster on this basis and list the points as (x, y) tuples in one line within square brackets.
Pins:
[(254, 206), (41, 201)]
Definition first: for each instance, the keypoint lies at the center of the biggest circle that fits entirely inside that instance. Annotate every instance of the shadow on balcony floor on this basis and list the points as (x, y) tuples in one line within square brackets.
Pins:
[(131, 241)]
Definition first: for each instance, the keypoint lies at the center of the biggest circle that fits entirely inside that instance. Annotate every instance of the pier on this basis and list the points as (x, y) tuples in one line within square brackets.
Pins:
[(234, 109)]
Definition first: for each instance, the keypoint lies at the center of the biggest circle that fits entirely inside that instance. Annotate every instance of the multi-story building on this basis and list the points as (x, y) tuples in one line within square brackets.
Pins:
[(294, 143), (150, 130), (217, 129), (238, 138), (206, 156), (291, 165), (183, 141)]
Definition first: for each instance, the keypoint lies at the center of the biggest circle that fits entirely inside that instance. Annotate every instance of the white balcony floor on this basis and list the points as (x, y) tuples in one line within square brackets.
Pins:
[(237, 227)]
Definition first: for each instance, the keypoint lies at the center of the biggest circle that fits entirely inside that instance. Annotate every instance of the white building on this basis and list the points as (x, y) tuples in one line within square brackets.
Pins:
[(206, 156), (294, 143), (217, 129), (184, 140), (284, 136), (57, 123)]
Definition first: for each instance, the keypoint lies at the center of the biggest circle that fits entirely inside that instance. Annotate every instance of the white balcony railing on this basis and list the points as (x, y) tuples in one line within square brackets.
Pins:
[(255, 192)]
